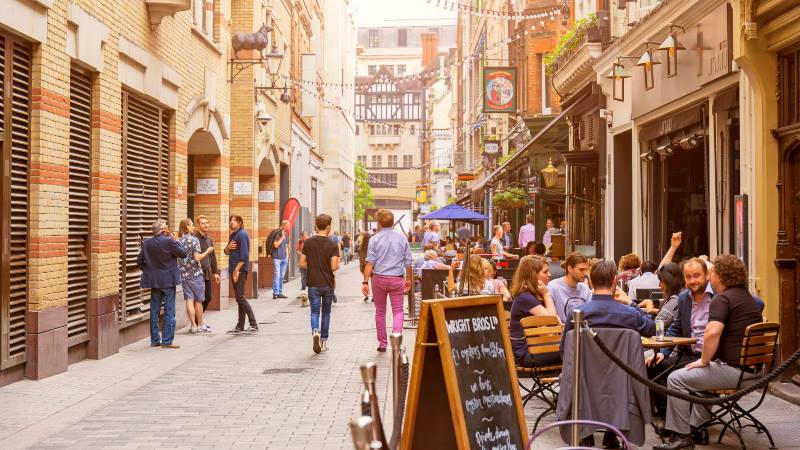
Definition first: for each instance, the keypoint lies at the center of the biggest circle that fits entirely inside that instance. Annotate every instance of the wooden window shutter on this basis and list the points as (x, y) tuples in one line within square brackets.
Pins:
[(15, 80), (145, 194), (80, 173)]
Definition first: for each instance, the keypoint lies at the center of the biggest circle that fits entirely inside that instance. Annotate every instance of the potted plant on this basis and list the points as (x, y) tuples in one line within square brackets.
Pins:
[(510, 198)]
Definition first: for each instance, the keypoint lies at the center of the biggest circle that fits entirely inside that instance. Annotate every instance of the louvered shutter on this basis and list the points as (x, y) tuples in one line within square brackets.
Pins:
[(80, 157), (15, 78), (145, 194)]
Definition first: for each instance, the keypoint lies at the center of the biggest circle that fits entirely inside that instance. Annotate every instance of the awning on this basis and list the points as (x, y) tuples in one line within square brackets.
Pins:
[(669, 124), (551, 134)]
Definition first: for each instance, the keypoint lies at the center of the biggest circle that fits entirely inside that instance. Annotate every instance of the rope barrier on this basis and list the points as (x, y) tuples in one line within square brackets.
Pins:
[(761, 383)]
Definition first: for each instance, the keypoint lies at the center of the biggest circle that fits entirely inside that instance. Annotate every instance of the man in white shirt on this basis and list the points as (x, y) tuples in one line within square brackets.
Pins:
[(647, 280)]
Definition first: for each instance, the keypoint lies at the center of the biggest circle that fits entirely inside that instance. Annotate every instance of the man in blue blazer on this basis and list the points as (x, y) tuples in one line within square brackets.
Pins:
[(159, 265)]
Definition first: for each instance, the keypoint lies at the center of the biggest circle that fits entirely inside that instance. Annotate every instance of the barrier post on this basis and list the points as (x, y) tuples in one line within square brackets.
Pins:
[(396, 339), (361, 430), (577, 320)]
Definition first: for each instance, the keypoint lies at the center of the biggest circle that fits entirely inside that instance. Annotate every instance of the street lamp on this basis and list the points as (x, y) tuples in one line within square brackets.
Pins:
[(671, 47), (617, 77), (550, 173), (647, 61)]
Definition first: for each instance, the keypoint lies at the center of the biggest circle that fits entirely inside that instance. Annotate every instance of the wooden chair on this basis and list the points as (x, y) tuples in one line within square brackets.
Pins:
[(759, 348), (543, 335)]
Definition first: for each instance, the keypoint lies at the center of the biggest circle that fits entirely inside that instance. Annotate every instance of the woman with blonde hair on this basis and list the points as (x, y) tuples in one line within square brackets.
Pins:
[(192, 276), (497, 244), (531, 298), (473, 279), (499, 284)]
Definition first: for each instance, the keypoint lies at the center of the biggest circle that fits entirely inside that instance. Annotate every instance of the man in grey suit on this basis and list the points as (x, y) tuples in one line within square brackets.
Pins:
[(159, 265)]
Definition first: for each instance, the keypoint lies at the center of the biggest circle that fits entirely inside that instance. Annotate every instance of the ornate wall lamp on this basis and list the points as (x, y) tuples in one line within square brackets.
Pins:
[(617, 77), (671, 47), (647, 61), (550, 174)]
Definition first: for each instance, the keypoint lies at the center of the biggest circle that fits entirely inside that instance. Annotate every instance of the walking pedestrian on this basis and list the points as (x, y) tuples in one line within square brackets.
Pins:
[(238, 251), (346, 246), (280, 259), (158, 263), (362, 255), (192, 275), (389, 266), (303, 270), (321, 255), (209, 263)]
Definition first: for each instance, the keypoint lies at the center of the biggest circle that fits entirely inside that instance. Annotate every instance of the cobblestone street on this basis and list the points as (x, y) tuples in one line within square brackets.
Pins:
[(220, 391)]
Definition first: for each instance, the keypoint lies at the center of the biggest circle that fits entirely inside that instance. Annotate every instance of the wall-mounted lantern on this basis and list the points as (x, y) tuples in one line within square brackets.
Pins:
[(671, 47)]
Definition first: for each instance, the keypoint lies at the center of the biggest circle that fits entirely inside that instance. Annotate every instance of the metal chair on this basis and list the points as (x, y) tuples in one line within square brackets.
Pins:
[(543, 335), (759, 347)]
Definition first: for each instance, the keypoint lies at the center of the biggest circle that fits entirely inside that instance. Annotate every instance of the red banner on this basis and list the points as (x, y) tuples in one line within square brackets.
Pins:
[(290, 211)]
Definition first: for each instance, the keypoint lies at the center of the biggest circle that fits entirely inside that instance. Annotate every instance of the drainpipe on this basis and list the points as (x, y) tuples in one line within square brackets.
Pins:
[(489, 212)]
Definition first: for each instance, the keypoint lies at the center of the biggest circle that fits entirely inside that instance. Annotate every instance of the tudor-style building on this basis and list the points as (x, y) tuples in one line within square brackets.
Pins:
[(390, 118)]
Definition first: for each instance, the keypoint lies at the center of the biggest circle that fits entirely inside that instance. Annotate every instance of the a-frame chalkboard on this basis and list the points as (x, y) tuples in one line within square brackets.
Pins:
[(463, 392)]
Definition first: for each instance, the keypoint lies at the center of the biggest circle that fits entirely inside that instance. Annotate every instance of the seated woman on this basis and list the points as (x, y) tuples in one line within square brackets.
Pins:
[(531, 298), (499, 284), (670, 280), (530, 248), (473, 279), (431, 261), (628, 269)]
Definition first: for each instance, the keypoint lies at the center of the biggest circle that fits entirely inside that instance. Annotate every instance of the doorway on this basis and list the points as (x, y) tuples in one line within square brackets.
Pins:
[(623, 198), (681, 200)]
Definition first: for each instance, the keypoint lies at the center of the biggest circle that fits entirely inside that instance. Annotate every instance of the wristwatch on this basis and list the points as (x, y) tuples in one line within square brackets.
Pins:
[(365, 282)]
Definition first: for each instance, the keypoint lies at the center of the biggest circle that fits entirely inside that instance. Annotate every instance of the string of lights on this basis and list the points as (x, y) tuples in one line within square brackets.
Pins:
[(430, 72), (493, 13)]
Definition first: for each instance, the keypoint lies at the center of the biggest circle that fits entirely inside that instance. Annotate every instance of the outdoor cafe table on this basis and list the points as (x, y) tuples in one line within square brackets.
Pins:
[(669, 341)]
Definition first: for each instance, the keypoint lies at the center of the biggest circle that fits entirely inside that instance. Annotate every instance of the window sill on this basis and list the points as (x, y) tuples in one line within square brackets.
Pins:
[(204, 37)]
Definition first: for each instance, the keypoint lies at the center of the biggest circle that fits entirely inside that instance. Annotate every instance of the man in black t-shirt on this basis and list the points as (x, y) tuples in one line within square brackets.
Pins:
[(320, 258), (732, 310)]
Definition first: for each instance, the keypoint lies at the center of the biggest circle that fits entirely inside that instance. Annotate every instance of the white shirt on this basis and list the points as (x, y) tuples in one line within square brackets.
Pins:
[(647, 280)]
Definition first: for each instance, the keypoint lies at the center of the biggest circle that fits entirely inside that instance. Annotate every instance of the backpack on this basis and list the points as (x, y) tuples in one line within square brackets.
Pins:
[(273, 236)]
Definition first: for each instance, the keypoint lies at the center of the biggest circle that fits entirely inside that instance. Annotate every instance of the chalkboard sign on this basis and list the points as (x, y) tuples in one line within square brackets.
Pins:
[(463, 389)]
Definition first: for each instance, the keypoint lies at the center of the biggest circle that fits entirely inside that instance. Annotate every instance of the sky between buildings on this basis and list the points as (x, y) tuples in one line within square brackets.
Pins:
[(373, 13)]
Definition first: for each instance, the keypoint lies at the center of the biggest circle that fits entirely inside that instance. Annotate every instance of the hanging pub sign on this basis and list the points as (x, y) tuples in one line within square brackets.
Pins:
[(500, 90), (422, 194), (491, 147), (466, 176), (463, 389)]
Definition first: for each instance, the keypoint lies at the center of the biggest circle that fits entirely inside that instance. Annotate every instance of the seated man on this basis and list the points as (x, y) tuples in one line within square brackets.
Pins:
[(731, 311), (609, 307)]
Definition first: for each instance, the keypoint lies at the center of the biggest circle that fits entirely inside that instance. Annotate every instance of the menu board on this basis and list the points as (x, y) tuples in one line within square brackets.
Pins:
[(487, 394), (463, 388)]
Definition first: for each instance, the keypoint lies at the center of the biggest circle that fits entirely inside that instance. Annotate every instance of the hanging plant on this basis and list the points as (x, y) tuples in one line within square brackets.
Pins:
[(570, 40), (510, 198)]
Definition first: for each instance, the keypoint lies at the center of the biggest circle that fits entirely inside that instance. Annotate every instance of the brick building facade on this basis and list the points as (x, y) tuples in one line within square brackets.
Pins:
[(103, 104)]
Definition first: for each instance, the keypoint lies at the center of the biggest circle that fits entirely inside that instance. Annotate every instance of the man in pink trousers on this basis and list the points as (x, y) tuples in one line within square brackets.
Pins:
[(389, 265)]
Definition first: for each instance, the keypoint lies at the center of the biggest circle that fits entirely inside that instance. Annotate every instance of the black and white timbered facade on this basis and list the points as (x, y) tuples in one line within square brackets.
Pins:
[(390, 115)]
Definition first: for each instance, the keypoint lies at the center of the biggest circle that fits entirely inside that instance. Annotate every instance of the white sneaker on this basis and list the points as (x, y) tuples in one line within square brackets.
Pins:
[(325, 346), (193, 330), (205, 328)]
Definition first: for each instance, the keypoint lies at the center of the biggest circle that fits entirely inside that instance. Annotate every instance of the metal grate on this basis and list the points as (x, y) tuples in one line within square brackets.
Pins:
[(80, 172), (281, 370), (145, 194), (15, 79)]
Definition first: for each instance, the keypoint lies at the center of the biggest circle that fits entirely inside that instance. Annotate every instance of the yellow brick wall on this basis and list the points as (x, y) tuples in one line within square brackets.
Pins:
[(176, 44)]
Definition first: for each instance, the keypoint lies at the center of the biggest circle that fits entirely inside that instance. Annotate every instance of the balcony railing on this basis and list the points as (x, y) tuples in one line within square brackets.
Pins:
[(573, 66)]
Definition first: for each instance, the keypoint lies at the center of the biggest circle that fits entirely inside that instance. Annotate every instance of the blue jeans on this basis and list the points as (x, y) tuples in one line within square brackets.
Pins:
[(320, 296), (346, 255), (167, 298), (303, 273), (279, 266)]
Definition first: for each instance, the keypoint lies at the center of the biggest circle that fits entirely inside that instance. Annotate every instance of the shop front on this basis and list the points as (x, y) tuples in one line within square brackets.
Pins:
[(687, 130)]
